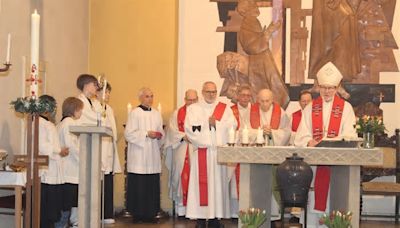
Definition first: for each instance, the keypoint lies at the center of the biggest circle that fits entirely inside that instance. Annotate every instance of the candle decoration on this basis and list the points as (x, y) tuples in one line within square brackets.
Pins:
[(231, 139), (245, 136), (7, 64), (260, 137)]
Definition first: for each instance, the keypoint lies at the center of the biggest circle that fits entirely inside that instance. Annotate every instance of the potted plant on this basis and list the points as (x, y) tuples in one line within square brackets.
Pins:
[(252, 218), (336, 219)]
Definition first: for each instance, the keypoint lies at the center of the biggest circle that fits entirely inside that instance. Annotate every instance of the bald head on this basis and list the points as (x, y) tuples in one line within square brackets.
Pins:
[(209, 92), (191, 97), (145, 96), (265, 99)]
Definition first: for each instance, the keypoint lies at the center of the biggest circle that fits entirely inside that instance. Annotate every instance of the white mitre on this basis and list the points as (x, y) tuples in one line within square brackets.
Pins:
[(329, 75)]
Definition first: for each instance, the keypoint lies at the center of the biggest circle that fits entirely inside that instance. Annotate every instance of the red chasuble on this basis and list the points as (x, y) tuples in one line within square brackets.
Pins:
[(255, 120), (323, 174), (296, 117), (202, 159), (186, 165)]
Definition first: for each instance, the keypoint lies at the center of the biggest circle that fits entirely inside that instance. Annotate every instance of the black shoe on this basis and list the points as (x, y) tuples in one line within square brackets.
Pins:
[(201, 223), (215, 223)]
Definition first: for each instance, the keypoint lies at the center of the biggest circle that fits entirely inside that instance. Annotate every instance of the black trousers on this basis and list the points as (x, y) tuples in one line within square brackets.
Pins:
[(143, 195), (108, 196), (51, 202)]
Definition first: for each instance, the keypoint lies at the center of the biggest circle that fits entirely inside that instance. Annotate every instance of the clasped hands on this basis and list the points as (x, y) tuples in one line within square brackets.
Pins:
[(154, 134)]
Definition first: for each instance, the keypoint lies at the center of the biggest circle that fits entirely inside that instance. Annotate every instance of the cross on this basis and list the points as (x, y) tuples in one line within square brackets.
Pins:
[(32, 161)]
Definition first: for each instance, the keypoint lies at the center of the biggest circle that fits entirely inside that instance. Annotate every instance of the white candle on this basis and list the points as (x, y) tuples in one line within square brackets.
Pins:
[(260, 136), (159, 107), (231, 139), (104, 89), (35, 31), (129, 106), (245, 135), (23, 75), (8, 48)]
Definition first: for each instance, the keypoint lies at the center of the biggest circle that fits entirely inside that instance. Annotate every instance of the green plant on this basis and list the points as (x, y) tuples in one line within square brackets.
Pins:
[(336, 219), (373, 124), (30, 105), (252, 218)]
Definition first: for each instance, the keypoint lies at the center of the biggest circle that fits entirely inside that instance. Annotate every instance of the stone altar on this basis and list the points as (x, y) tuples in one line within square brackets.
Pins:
[(256, 173)]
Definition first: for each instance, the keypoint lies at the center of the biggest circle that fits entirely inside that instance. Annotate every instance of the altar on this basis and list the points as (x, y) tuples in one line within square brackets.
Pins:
[(256, 173)]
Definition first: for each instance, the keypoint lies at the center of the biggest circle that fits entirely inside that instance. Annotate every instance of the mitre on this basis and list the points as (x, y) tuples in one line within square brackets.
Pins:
[(329, 75)]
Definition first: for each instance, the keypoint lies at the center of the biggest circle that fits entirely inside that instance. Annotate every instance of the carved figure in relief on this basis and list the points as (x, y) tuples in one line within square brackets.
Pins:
[(254, 39), (334, 37)]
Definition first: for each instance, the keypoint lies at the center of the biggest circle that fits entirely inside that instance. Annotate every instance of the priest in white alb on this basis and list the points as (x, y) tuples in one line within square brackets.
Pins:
[(178, 152), (328, 117), (207, 126)]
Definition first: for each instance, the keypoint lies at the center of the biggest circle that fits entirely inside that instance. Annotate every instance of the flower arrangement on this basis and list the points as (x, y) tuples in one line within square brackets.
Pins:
[(372, 124), (30, 105), (252, 218), (337, 219)]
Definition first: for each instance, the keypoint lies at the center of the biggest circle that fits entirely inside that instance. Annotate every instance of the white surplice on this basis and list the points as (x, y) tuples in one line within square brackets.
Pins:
[(304, 135), (175, 152), (49, 145), (218, 175), (91, 111), (143, 152), (109, 150)]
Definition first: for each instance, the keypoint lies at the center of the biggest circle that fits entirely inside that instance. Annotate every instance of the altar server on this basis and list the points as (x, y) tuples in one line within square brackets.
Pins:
[(109, 155), (71, 112), (144, 134), (51, 176)]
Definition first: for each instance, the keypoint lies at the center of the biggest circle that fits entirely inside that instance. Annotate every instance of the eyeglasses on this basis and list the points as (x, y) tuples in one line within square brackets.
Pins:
[(327, 88), (210, 92)]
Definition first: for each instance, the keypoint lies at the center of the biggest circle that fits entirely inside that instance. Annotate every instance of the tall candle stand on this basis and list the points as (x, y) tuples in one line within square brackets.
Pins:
[(125, 213)]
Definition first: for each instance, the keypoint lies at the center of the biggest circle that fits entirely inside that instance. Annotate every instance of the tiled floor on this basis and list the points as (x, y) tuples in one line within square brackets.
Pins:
[(185, 223)]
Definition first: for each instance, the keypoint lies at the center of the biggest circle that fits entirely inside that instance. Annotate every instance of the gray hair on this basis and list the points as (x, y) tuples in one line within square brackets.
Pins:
[(142, 90)]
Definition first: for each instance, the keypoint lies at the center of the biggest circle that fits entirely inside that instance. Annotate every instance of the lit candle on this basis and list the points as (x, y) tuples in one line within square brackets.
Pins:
[(104, 90), (129, 106), (260, 136), (8, 48), (35, 31), (245, 135), (231, 139), (159, 107)]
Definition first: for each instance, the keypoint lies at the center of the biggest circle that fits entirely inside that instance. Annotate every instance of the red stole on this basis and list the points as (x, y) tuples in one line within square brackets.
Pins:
[(255, 120), (323, 174), (235, 110), (186, 165), (296, 117), (202, 159)]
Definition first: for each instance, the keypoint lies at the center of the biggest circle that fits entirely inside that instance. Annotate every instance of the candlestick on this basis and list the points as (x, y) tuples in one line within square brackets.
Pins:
[(129, 106), (260, 136), (35, 31), (8, 48), (104, 90), (245, 135), (159, 107), (231, 139)]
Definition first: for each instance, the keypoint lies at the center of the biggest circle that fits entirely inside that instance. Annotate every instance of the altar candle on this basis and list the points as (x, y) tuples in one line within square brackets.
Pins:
[(8, 48), (35, 31), (129, 106), (245, 135), (260, 136), (231, 138), (104, 90), (159, 107)]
